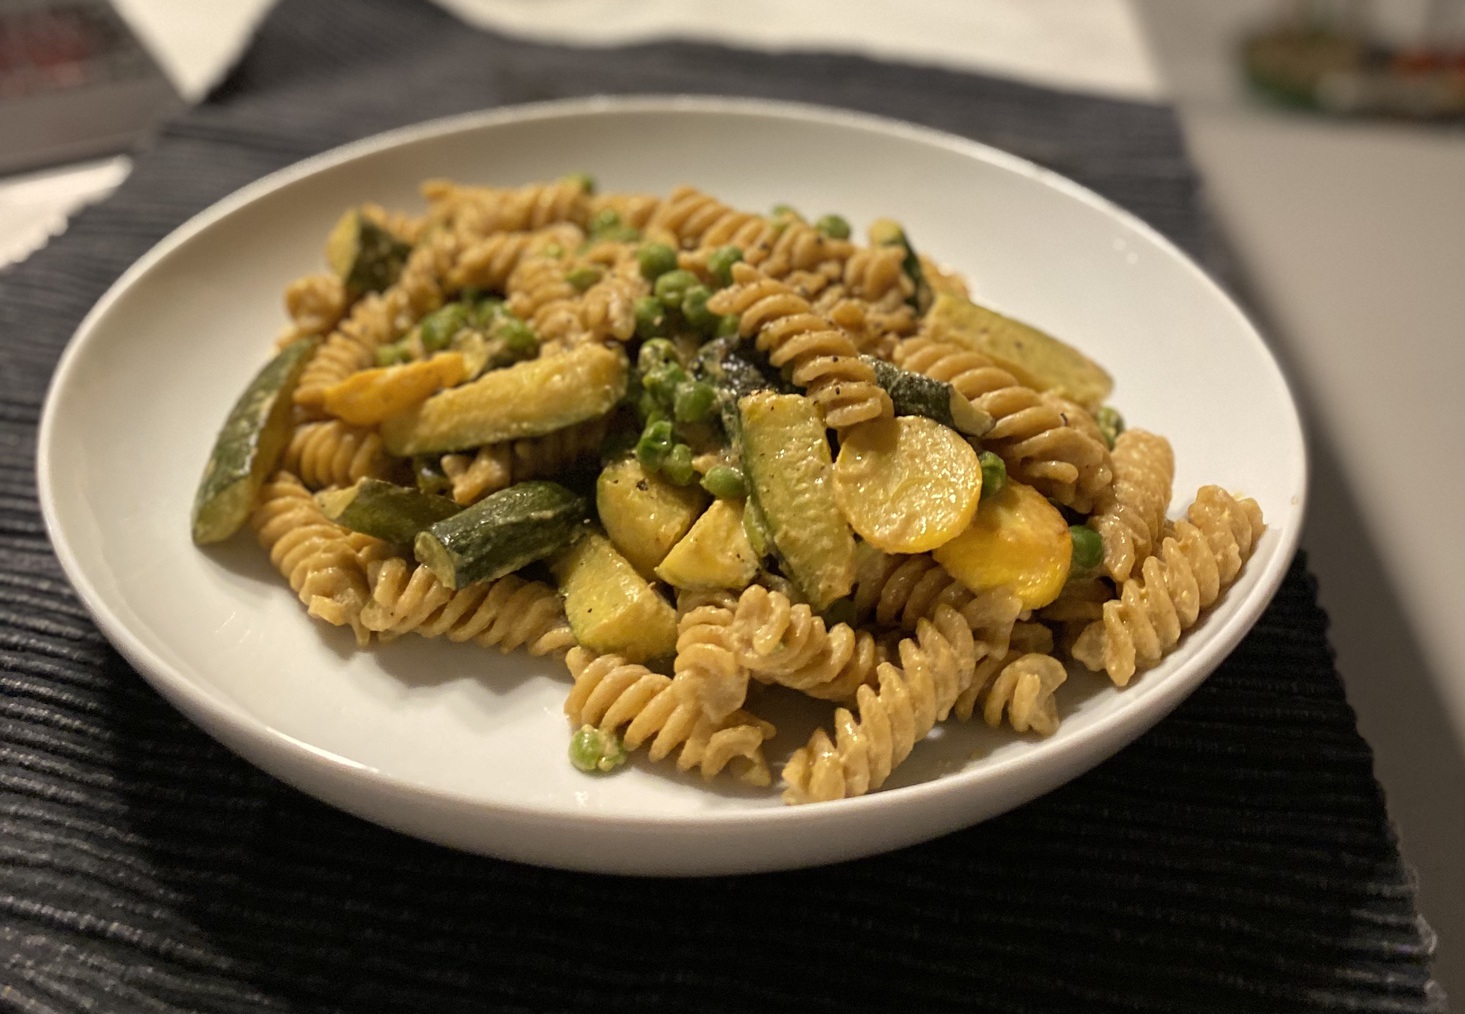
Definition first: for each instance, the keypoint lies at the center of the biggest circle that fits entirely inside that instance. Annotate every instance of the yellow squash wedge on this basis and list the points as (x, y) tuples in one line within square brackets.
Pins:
[(368, 397), (1019, 540)]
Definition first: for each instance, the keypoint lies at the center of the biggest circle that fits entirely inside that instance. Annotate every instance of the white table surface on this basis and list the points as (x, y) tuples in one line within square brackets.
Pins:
[(1351, 240)]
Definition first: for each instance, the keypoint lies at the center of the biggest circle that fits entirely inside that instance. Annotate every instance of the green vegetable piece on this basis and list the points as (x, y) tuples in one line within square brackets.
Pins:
[(655, 260), (656, 353), (593, 750), (994, 474), (663, 382), (671, 288), (585, 276), (585, 180), (720, 263), (427, 472), (755, 527), (693, 401), (483, 313), (366, 257), (650, 317), (437, 328), (392, 354), (725, 482), (695, 312), (1088, 549), (248, 446), (604, 220), (833, 226), (518, 336), (655, 444), (784, 211), (649, 409), (501, 533), (677, 465), (1111, 423), (385, 510), (916, 394)]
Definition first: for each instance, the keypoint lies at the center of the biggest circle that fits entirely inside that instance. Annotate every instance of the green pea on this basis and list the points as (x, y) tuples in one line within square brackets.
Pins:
[(655, 443), (693, 401), (994, 474), (833, 226), (391, 355), (437, 328), (725, 482), (585, 180), (484, 312), (1088, 548), (584, 276), (663, 381), (694, 309), (650, 317), (655, 353), (593, 749), (1111, 424), (671, 288), (655, 260), (727, 325), (720, 263), (677, 466), (784, 211), (517, 336), (648, 409)]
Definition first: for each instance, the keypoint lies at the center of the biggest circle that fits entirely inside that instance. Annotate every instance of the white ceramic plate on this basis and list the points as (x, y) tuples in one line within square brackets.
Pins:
[(465, 747)]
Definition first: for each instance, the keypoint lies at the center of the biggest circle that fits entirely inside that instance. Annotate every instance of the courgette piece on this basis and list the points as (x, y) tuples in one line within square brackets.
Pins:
[(611, 608), (528, 399), (501, 533), (367, 397), (886, 232), (644, 514), (385, 510), (735, 371), (366, 257), (716, 553), (917, 394), (1035, 358), (248, 446), (786, 458)]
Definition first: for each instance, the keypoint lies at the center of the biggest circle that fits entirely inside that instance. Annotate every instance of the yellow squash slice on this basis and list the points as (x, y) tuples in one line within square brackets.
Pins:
[(644, 514), (367, 397), (907, 484), (716, 553), (611, 608), (1018, 539)]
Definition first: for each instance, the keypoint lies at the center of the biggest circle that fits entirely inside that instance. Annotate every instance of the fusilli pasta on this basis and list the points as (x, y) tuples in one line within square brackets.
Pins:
[(1131, 515)]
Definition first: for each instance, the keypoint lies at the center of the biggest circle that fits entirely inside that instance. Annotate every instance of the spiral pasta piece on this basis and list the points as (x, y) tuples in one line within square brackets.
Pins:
[(1024, 691), (488, 262), (897, 590), (315, 303), (539, 293), (474, 212), (936, 665), (379, 318), (496, 466), (611, 693), (822, 358), (1027, 637), (507, 613), (335, 453), (1187, 574), (1038, 437), (324, 563), (780, 642), (1131, 516), (707, 671), (633, 210), (692, 219)]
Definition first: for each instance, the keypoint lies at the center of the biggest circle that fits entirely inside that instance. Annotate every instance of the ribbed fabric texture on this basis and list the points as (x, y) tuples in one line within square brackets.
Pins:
[(1237, 858)]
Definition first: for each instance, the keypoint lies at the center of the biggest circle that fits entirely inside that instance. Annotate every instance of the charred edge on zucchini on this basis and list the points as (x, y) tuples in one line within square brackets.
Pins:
[(501, 533), (385, 510)]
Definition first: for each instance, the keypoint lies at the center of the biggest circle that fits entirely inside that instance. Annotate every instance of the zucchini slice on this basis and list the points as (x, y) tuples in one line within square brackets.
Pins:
[(611, 608), (501, 533), (644, 514), (1035, 358), (917, 394), (367, 397), (528, 399), (786, 458), (908, 484), (716, 553), (385, 510), (1017, 539), (367, 257), (248, 446)]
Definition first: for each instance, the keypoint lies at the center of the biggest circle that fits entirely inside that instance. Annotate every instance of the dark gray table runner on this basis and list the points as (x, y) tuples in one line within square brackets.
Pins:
[(1238, 857)]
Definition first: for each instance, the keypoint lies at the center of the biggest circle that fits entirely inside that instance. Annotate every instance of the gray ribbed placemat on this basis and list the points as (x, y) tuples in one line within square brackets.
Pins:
[(1238, 857)]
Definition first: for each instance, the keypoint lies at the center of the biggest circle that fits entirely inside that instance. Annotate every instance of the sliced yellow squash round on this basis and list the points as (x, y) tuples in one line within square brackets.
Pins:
[(907, 484), (1018, 539)]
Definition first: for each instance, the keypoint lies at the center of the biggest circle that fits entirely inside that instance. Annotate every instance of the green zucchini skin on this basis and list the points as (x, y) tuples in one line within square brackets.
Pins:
[(731, 367), (916, 394), (385, 510), (501, 533), (248, 446), (367, 257), (790, 471)]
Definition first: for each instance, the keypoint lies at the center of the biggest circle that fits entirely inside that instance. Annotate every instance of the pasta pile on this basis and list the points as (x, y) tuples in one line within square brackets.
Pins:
[(707, 456)]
